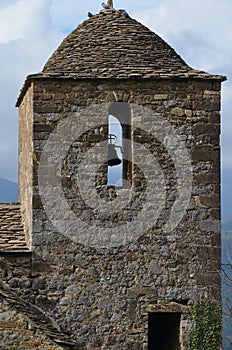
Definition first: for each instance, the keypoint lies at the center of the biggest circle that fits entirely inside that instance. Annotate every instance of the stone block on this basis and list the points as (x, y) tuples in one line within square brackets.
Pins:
[(41, 266), (179, 112), (215, 213), (37, 203), (205, 152), (208, 201), (205, 129), (204, 179), (5, 316), (210, 225), (159, 97), (188, 113)]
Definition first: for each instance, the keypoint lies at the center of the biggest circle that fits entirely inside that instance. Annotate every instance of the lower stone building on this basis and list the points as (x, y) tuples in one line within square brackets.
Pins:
[(95, 258)]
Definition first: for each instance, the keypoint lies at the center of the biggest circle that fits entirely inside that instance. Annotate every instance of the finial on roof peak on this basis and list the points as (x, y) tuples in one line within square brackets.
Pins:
[(108, 5)]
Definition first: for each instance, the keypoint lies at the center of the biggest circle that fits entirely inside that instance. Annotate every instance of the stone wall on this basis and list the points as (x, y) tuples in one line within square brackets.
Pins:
[(17, 332), (98, 294), (25, 153), (23, 325)]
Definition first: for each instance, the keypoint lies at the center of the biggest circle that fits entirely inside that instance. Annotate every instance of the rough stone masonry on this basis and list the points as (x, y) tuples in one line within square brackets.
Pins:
[(65, 294)]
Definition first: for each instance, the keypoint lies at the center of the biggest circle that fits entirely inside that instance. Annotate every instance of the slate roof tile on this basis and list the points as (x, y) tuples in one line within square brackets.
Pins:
[(12, 235), (109, 45)]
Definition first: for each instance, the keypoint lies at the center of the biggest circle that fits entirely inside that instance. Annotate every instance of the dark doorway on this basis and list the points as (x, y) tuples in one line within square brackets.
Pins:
[(163, 331)]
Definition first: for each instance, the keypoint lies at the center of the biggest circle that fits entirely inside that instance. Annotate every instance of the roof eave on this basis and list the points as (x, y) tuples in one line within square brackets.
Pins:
[(196, 75)]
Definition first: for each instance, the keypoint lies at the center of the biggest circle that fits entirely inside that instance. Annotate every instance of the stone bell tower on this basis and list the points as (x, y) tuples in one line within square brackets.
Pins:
[(114, 262)]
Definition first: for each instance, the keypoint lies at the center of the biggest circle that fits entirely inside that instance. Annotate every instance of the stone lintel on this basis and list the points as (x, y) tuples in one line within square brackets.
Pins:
[(171, 307)]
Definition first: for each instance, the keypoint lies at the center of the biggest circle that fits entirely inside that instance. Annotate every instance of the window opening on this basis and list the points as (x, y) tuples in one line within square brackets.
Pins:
[(115, 156), (119, 132)]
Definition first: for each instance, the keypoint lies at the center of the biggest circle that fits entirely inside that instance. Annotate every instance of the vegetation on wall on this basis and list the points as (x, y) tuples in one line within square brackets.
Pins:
[(206, 334)]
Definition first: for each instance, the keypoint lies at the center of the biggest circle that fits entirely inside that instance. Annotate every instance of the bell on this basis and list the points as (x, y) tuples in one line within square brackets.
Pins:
[(113, 159)]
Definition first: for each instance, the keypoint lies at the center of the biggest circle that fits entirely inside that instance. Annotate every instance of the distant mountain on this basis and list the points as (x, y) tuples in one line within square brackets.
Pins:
[(8, 191)]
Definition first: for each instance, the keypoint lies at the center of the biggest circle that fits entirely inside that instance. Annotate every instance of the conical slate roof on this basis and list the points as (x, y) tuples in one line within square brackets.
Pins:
[(110, 45)]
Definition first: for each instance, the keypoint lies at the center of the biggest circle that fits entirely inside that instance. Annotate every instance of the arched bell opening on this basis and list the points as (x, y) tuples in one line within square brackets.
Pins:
[(119, 149), (115, 154)]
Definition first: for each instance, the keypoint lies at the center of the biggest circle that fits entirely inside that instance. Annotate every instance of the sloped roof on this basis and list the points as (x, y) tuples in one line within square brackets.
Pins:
[(12, 235), (110, 45), (38, 317)]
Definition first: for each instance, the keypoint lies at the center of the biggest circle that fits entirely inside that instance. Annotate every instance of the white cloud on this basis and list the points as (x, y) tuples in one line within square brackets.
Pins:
[(201, 32), (27, 39), (68, 14), (24, 19), (227, 109), (200, 29)]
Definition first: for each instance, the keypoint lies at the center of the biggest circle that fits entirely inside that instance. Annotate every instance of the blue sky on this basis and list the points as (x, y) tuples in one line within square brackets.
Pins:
[(200, 31)]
